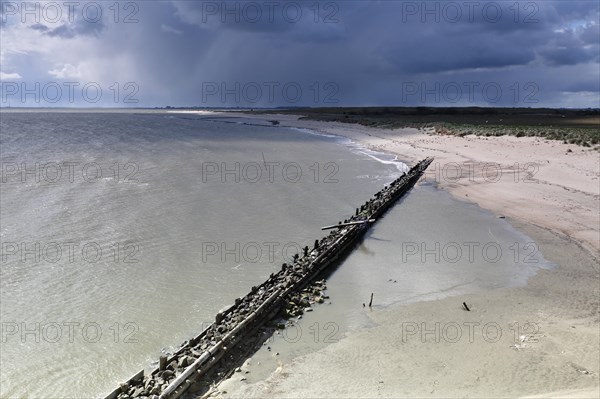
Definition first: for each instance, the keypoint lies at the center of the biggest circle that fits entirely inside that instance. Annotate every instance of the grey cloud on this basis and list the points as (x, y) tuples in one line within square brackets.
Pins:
[(368, 53), (40, 27), (591, 34)]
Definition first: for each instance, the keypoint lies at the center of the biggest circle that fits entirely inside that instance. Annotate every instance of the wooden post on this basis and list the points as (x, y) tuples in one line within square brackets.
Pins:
[(162, 363), (371, 302)]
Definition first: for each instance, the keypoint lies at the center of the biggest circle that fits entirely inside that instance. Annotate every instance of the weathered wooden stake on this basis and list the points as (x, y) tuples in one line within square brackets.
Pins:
[(466, 307), (162, 363), (371, 301)]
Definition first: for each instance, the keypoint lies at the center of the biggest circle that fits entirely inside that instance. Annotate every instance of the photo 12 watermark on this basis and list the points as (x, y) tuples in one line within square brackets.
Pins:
[(454, 12), (269, 12), (61, 12), (481, 172), (250, 252), (453, 332), (54, 93), (269, 172), (269, 92), (468, 252), (53, 332), (68, 252), (292, 331), (65, 172), (469, 92)]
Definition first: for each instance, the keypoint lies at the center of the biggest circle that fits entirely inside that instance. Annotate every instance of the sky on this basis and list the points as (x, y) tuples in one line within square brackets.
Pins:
[(299, 53)]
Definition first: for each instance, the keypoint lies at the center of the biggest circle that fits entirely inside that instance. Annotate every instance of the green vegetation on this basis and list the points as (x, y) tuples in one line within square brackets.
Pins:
[(581, 127), (586, 137)]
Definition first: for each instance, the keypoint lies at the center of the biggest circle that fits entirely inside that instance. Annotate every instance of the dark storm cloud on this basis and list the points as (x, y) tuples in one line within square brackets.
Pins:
[(369, 49), (366, 46), (568, 55)]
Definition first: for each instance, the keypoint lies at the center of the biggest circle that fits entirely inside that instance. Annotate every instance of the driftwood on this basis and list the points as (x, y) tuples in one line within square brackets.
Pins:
[(338, 226)]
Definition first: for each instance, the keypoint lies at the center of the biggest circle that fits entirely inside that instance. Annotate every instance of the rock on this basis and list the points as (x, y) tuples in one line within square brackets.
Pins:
[(184, 361), (238, 370), (149, 382), (243, 379), (308, 309), (167, 374), (305, 303), (124, 387)]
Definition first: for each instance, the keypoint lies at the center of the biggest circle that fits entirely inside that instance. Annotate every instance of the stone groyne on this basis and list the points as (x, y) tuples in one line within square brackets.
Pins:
[(281, 291)]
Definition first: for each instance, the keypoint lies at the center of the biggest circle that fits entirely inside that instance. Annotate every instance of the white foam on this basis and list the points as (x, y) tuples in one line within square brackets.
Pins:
[(382, 157)]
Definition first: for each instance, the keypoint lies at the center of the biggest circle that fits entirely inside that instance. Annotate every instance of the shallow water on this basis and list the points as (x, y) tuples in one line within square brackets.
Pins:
[(188, 213)]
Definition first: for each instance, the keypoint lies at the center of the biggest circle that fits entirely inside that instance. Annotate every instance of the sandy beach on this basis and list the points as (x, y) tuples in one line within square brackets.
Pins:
[(540, 340)]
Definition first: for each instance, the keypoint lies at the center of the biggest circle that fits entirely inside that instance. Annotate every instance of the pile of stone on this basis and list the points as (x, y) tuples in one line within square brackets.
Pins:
[(299, 302)]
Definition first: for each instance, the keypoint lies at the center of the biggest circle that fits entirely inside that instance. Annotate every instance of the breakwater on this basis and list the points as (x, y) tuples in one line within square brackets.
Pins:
[(232, 326)]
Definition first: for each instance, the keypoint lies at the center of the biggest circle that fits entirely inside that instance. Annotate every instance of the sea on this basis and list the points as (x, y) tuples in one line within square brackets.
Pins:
[(124, 232)]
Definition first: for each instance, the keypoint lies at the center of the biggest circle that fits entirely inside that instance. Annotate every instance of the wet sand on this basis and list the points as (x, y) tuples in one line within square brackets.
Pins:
[(534, 340), (541, 339)]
